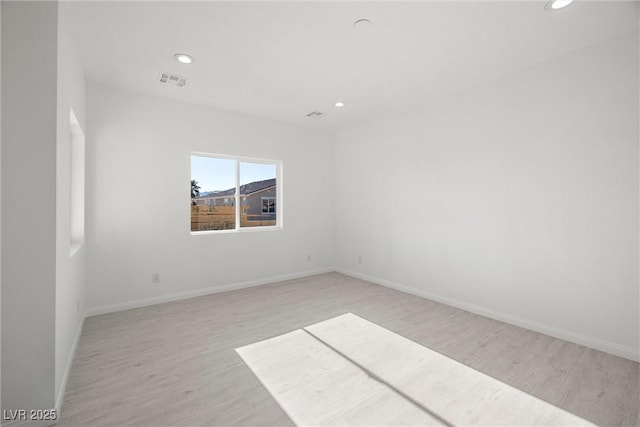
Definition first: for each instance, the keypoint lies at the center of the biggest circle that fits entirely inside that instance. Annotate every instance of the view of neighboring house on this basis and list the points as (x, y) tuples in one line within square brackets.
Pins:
[(259, 197)]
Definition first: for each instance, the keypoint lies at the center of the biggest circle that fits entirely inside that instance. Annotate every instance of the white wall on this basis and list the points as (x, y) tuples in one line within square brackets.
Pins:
[(29, 80), (518, 199), (70, 267), (138, 207)]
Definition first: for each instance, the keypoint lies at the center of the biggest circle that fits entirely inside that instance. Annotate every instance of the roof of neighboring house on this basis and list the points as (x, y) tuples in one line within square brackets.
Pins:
[(245, 189)]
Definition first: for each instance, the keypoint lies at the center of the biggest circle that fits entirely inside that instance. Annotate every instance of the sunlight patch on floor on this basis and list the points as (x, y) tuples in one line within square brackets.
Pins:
[(349, 371)]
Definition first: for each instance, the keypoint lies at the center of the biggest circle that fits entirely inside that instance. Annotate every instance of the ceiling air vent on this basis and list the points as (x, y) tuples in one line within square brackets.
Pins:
[(173, 79), (315, 114)]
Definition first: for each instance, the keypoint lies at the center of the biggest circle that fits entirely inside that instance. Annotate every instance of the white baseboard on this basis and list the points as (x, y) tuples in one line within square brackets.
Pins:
[(112, 308), (595, 343), (598, 344), (67, 369)]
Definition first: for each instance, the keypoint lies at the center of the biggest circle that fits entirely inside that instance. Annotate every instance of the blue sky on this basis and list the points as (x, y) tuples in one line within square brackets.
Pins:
[(220, 174)]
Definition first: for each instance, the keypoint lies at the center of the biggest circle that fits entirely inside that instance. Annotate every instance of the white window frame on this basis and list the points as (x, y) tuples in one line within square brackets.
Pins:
[(238, 205)]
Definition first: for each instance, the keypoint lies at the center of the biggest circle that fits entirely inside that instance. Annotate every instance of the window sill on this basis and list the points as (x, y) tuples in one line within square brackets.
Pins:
[(237, 230)]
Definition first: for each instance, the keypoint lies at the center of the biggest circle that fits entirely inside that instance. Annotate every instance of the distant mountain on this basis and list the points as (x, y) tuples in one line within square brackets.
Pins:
[(209, 193)]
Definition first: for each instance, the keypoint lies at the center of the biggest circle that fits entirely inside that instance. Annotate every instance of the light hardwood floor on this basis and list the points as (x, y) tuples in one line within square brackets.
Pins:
[(175, 364)]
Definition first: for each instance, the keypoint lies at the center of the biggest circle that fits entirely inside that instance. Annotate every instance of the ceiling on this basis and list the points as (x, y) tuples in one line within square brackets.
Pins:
[(283, 60)]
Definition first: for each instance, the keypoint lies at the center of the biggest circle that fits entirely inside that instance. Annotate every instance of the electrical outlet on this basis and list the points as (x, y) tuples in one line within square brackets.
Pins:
[(155, 277), (359, 259), (308, 257)]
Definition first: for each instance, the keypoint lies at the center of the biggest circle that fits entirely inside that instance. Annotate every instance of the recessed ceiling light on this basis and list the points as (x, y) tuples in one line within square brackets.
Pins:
[(557, 4), (339, 104), (183, 58)]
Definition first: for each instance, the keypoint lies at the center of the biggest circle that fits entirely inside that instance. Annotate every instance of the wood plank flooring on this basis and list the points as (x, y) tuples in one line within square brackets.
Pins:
[(175, 364)]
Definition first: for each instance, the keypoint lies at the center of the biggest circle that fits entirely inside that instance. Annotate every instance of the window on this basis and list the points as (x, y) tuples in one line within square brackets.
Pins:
[(219, 182), (268, 204), (76, 181)]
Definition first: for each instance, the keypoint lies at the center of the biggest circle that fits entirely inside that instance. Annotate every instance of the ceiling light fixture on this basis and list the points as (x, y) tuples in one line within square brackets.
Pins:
[(183, 58), (557, 4), (339, 104)]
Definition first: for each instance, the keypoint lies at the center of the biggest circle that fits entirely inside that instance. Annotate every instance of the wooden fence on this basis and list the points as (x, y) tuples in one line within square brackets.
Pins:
[(205, 218)]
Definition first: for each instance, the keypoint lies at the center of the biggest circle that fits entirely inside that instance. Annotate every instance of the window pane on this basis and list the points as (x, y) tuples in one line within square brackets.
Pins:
[(77, 179), (258, 188), (213, 188)]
